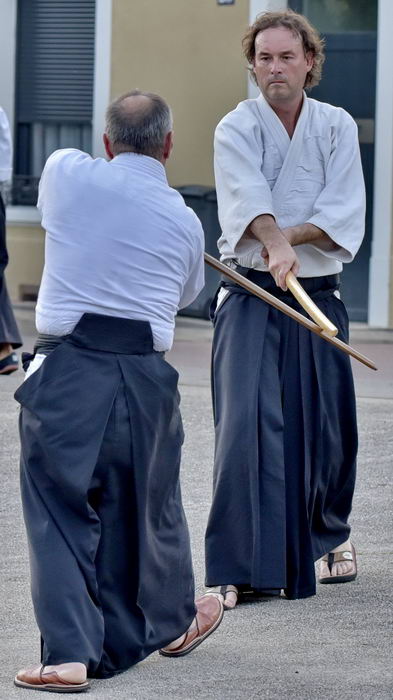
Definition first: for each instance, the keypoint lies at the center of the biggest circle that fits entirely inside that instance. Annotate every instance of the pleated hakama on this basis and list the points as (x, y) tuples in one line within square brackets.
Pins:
[(286, 442), (110, 558)]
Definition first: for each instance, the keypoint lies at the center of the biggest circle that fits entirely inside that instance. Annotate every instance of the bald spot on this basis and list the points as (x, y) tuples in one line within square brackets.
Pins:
[(135, 107)]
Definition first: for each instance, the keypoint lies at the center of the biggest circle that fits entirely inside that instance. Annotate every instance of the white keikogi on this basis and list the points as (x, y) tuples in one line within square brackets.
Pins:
[(139, 246), (315, 177)]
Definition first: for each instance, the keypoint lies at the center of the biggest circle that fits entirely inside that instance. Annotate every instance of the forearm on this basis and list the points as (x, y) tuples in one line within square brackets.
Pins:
[(265, 230), (276, 249), (308, 233)]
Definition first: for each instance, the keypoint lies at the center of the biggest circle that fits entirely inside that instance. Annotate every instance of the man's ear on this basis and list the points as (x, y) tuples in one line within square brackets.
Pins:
[(310, 60), (168, 145), (108, 147)]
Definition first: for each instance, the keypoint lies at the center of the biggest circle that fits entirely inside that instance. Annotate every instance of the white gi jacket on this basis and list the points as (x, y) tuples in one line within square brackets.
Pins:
[(315, 177), (119, 242)]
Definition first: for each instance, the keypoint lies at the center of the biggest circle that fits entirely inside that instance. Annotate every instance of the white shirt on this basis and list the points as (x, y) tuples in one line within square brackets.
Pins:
[(315, 177), (119, 242), (5, 148)]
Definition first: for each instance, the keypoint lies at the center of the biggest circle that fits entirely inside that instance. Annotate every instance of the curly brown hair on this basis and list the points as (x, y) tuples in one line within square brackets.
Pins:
[(299, 26)]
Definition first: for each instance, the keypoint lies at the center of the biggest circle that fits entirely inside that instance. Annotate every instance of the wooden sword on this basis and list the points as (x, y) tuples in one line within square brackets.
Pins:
[(323, 327)]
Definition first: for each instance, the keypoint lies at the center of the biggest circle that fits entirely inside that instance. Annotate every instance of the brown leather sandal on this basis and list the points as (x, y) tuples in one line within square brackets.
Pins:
[(334, 558), (36, 678), (209, 614)]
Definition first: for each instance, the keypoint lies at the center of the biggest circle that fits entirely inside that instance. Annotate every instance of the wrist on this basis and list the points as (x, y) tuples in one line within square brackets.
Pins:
[(265, 230), (291, 234), (275, 241)]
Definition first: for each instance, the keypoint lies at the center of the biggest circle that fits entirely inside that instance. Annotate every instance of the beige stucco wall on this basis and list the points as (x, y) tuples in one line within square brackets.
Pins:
[(189, 51), (25, 243)]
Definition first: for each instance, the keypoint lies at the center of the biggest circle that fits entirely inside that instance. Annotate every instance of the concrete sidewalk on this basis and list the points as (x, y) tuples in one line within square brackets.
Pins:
[(336, 645)]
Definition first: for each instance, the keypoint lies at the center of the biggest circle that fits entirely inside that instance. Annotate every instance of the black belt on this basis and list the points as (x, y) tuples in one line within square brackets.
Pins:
[(316, 287), (45, 343)]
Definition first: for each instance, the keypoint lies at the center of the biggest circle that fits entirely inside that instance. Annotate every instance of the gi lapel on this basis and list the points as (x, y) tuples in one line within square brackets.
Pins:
[(289, 149)]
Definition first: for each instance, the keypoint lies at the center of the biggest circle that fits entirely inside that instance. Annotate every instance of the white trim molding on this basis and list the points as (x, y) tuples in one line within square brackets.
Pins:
[(381, 255), (102, 71), (23, 215)]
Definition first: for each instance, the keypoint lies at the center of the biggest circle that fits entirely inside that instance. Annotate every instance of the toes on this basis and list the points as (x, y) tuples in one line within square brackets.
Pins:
[(323, 569), (230, 600), (341, 569)]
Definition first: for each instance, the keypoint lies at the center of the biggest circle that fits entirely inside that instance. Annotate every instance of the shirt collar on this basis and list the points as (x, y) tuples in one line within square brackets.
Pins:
[(142, 163)]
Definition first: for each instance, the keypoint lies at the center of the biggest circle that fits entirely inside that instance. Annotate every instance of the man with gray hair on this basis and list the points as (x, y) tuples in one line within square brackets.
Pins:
[(100, 426)]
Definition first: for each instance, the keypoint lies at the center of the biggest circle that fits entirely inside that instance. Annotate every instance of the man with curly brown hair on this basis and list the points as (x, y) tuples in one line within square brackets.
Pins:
[(290, 197)]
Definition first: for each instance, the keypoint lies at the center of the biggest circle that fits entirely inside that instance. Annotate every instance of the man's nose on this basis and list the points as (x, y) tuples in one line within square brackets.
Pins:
[(275, 66)]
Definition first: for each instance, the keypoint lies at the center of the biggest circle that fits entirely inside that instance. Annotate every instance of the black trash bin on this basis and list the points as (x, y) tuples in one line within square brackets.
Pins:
[(203, 201)]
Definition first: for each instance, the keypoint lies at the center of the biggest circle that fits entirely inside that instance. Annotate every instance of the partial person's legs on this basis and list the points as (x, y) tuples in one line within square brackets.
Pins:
[(9, 334)]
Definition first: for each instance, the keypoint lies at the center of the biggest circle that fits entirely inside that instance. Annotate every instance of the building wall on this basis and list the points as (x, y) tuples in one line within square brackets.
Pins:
[(190, 53), (25, 244)]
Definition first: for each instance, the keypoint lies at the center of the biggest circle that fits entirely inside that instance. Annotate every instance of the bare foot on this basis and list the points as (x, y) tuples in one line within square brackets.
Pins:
[(227, 593), (340, 562), (5, 349)]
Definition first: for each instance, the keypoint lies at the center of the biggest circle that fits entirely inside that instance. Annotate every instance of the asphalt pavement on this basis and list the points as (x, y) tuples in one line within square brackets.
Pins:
[(336, 645)]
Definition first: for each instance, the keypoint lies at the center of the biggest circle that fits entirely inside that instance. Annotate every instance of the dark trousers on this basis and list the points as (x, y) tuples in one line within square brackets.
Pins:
[(9, 332), (110, 557), (286, 442)]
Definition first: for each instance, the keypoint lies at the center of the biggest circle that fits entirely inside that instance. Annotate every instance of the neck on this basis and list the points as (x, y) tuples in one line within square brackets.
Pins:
[(288, 113)]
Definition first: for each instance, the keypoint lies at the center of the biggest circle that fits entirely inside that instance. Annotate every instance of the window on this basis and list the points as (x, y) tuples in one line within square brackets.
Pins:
[(332, 16), (54, 90)]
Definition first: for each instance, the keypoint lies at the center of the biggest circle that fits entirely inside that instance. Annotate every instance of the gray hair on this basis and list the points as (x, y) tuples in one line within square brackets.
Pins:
[(140, 130)]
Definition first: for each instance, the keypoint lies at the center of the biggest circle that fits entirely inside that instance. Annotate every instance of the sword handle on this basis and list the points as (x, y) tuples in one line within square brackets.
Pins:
[(308, 305)]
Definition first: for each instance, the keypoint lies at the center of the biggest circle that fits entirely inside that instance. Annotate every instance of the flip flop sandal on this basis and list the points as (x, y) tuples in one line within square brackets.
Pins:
[(336, 557), (222, 591), (37, 679)]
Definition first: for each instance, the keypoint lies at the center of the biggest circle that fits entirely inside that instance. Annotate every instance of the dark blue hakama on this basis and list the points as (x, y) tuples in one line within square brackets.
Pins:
[(101, 434), (286, 441)]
